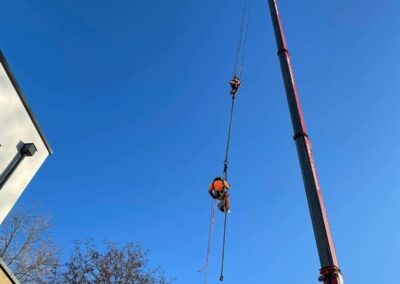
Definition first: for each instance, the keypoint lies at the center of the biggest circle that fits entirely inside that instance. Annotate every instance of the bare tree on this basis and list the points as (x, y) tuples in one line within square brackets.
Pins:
[(34, 258), (114, 265), (27, 249)]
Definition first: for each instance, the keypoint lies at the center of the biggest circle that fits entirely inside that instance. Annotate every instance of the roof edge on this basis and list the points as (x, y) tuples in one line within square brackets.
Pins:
[(24, 101), (8, 272)]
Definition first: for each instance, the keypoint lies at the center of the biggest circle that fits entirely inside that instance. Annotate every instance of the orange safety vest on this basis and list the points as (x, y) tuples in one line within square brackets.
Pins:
[(219, 185)]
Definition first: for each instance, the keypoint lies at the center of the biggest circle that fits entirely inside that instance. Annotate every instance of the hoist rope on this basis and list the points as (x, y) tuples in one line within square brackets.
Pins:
[(237, 72), (241, 45), (239, 63), (221, 278), (225, 177), (228, 142)]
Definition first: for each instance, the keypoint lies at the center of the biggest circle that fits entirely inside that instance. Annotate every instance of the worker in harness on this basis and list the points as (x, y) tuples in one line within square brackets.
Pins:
[(219, 190), (235, 84)]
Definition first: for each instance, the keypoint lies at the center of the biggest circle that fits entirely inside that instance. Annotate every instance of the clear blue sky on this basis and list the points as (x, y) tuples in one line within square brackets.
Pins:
[(132, 96)]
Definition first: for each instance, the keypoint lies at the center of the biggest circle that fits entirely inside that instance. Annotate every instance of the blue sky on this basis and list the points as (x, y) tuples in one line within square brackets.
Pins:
[(133, 97)]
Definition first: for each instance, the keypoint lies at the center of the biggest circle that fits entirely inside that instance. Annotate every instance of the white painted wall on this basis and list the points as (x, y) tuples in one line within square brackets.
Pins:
[(16, 126)]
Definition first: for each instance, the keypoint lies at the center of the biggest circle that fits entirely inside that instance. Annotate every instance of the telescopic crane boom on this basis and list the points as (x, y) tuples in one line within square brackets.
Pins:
[(329, 272)]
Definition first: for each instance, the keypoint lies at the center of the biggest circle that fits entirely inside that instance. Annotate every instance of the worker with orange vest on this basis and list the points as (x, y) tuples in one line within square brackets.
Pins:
[(219, 190)]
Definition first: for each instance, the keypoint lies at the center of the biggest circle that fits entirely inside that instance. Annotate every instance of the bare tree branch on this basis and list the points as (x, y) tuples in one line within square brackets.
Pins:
[(34, 258), (116, 265), (26, 247)]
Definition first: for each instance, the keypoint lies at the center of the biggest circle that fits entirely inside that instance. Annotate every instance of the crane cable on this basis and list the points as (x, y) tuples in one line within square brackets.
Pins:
[(237, 72), (225, 177), (241, 45)]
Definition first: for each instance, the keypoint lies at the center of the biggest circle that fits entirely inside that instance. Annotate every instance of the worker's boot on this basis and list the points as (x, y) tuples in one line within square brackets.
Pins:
[(221, 206), (227, 204)]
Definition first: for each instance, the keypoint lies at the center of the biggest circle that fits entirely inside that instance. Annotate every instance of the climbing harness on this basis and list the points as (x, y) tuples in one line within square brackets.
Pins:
[(214, 192)]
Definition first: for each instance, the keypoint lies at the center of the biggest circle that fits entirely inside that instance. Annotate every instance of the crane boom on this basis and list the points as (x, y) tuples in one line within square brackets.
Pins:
[(329, 272)]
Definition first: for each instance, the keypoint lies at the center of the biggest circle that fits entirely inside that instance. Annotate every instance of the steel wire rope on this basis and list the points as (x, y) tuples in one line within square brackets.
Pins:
[(237, 72)]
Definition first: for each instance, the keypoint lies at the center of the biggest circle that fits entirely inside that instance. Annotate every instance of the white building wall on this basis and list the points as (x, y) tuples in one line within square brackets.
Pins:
[(16, 126)]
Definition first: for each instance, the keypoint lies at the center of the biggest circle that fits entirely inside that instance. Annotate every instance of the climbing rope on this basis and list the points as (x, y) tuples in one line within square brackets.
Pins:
[(210, 230)]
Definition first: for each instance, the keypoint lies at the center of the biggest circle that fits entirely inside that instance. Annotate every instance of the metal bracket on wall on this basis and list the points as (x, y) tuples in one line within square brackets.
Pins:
[(25, 150)]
